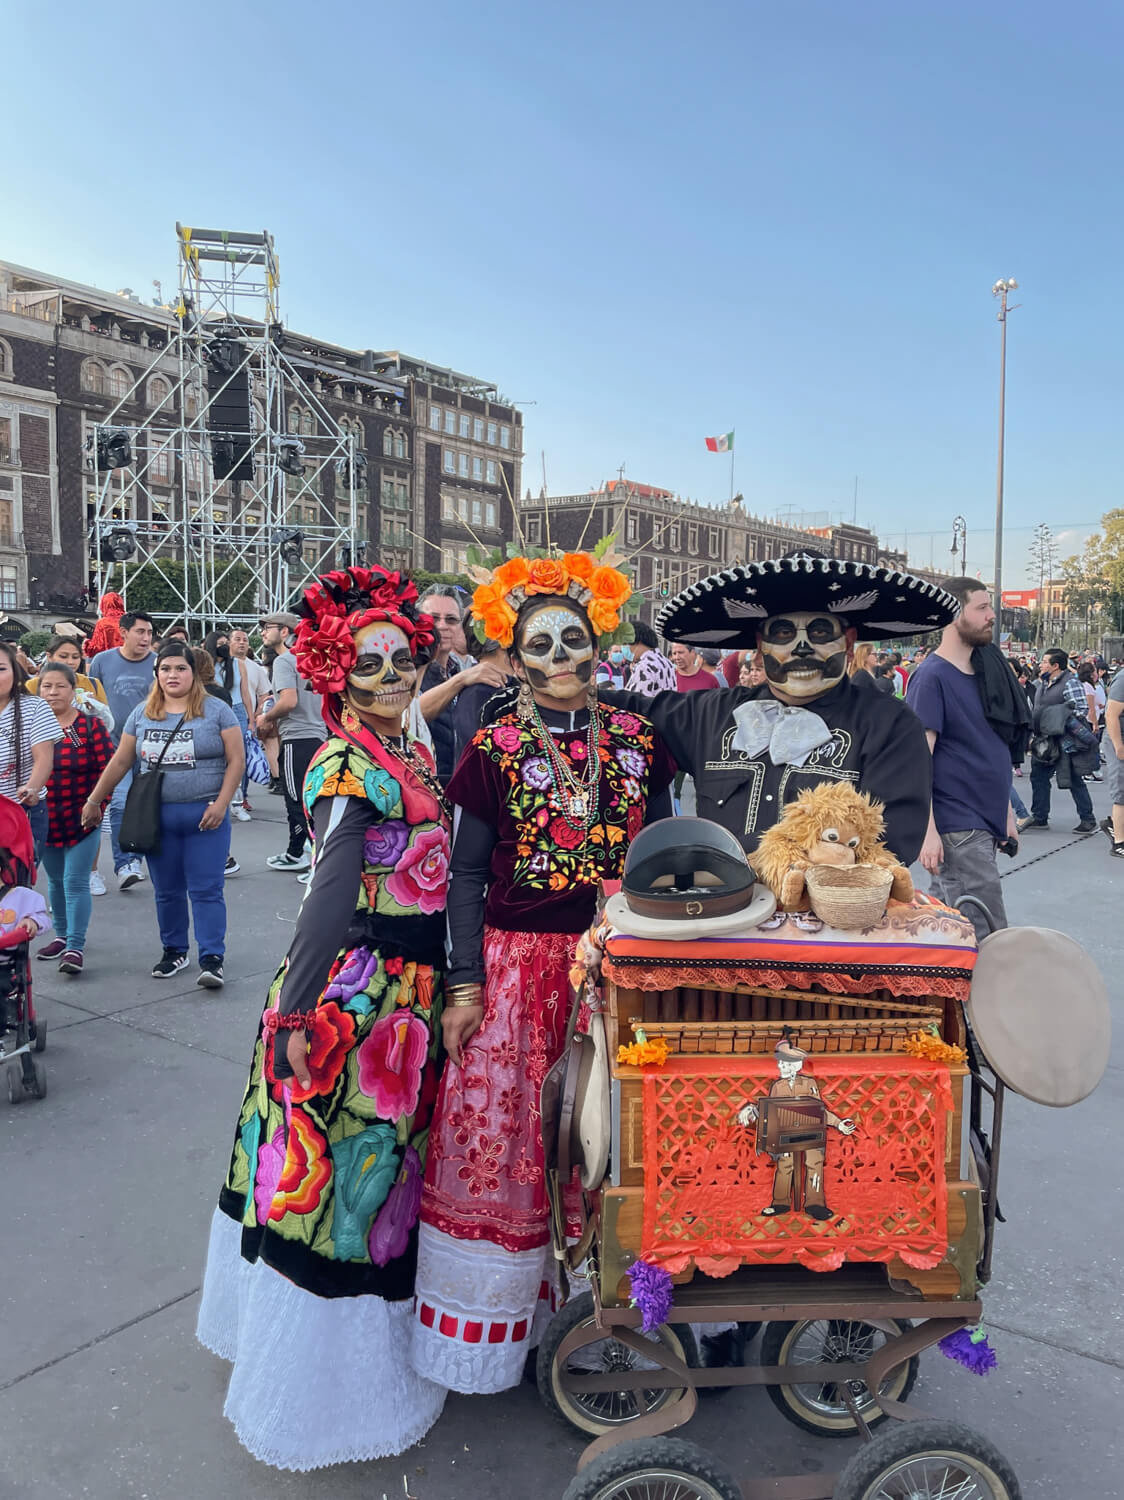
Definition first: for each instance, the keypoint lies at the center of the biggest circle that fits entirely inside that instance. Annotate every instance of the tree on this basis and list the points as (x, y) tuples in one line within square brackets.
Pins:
[(159, 589), (1094, 582)]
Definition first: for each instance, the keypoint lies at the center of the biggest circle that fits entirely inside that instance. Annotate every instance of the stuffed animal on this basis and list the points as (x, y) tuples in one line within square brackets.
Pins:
[(829, 824)]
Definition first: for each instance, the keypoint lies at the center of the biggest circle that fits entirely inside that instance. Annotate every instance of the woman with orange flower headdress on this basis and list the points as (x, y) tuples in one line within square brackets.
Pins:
[(549, 795), (310, 1272)]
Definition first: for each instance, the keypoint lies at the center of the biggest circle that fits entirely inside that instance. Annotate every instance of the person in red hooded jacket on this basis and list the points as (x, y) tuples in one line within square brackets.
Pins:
[(107, 632)]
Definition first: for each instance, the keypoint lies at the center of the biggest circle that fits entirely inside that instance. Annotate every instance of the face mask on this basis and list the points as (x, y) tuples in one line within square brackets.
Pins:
[(617, 654), (804, 652), (381, 683), (556, 647), (222, 651)]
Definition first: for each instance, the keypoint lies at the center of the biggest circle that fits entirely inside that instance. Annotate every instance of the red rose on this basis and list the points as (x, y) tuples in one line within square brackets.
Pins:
[(565, 836), (317, 598), (325, 653)]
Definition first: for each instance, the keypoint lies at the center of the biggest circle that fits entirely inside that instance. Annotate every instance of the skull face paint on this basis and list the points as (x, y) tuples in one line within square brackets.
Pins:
[(382, 681), (805, 653), (555, 645)]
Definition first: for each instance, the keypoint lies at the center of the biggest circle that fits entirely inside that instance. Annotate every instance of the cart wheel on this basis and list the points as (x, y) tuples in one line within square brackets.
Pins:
[(39, 1088), (601, 1411), (40, 1035), (940, 1460), (654, 1469), (15, 1083), (820, 1408)]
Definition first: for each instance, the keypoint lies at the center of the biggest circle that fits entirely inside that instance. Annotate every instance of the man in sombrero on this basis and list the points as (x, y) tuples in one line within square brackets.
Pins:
[(751, 750)]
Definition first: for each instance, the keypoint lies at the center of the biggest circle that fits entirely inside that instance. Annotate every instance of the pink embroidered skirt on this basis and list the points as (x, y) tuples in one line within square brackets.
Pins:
[(484, 1262)]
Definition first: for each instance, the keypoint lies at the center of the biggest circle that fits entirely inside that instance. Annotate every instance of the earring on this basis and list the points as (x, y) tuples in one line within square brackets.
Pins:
[(591, 694), (525, 702)]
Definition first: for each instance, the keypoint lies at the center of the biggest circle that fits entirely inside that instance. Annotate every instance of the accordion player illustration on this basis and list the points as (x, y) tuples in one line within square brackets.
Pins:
[(792, 1123)]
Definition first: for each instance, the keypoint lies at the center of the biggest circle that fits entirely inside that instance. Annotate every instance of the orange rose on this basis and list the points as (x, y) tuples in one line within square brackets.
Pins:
[(494, 613), (579, 565), (610, 586), (511, 575), (603, 617), (547, 576)]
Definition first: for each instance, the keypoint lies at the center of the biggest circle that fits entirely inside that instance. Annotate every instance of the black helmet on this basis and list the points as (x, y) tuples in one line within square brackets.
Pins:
[(686, 868)]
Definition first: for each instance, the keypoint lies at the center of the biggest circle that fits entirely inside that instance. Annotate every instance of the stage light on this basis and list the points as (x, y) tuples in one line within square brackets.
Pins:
[(343, 471), (290, 455), (290, 544), (118, 543), (112, 449), (225, 356)]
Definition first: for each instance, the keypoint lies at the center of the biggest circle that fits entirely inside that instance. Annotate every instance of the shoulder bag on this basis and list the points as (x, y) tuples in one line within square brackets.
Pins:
[(140, 818)]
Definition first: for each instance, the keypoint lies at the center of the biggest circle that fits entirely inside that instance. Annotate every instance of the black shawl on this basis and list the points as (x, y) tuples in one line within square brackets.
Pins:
[(1004, 702)]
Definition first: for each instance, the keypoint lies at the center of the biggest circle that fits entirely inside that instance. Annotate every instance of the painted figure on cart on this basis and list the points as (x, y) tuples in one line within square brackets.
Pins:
[(549, 795), (750, 750), (792, 1124)]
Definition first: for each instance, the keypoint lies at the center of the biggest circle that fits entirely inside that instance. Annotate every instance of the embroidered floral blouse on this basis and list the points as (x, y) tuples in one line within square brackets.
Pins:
[(541, 873)]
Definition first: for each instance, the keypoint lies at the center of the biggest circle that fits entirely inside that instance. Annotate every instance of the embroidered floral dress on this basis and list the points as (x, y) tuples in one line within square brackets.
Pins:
[(310, 1273), (525, 885)]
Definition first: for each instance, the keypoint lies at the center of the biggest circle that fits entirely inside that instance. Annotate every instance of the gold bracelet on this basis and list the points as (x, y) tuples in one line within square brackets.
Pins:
[(462, 1003), (473, 987)]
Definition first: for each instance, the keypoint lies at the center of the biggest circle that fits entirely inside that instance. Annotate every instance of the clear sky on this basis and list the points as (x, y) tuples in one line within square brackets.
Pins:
[(654, 222)]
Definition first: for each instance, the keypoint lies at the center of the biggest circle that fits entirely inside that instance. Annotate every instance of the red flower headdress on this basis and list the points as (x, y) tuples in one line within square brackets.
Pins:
[(341, 603)]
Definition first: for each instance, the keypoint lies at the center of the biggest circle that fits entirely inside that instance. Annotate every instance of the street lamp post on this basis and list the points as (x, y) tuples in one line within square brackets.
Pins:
[(1001, 289), (960, 539)]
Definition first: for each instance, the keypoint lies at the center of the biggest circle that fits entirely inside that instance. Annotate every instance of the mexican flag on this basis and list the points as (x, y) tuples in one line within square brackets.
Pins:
[(722, 444)]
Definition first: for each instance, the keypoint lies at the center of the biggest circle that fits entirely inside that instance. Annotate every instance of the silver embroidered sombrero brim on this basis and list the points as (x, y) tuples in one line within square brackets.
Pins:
[(727, 608)]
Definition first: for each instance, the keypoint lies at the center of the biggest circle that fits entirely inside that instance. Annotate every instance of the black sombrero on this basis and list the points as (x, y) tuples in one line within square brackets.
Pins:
[(727, 608)]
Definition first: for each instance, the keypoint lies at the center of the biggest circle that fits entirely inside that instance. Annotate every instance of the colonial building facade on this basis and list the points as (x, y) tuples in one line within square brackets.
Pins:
[(443, 450)]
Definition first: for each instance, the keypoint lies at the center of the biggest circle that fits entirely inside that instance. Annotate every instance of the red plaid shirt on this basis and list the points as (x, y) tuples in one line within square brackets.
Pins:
[(80, 757)]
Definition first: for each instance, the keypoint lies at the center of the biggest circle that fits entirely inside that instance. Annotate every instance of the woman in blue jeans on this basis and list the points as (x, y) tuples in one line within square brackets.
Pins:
[(202, 764), (68, 856)]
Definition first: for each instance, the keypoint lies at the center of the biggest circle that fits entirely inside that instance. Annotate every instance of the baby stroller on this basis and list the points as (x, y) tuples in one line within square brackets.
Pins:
[(21, 1033)]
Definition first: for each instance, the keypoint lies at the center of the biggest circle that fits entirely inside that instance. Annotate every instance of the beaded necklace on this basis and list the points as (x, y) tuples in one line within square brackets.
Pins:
[(578, 793)]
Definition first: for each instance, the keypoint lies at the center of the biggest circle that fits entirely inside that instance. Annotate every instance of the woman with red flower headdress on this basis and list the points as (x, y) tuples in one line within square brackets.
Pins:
[(549, 795), (310, 1271)]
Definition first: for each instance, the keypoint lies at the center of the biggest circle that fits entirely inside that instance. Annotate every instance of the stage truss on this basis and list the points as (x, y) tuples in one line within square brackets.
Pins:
[(199, 534)]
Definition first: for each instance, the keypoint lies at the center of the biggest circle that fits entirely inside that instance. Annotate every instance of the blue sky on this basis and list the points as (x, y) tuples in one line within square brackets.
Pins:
[(654, 222)]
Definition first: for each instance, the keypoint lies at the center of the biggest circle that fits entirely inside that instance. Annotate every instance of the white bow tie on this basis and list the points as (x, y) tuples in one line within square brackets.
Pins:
[(791, 734)]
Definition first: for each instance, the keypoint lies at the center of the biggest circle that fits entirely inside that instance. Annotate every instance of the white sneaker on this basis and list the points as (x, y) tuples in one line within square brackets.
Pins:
[(129, 875), (240, 813), (288, 861), (305, 879), (97, 884)]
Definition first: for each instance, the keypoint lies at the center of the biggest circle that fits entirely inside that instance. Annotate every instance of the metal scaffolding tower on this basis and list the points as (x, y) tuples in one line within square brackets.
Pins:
[(226, 549)]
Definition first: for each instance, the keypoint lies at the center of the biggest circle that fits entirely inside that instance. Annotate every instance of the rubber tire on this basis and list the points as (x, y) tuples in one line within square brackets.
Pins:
[(773, 1346), (628, 1460), (40, 1089), (579, 1310), (40, 1035), (15, 1084), (870, 1464)]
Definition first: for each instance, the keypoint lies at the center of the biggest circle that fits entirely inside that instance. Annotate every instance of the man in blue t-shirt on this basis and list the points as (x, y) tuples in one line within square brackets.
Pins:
[(125, 672), (970, 814)]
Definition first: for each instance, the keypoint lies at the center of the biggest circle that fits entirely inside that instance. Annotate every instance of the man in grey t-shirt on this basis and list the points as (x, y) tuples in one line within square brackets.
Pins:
[(296, 719), (125, 672), (1114, 763)]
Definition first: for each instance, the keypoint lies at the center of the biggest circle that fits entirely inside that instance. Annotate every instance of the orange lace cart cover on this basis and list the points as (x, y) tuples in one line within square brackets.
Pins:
[(923, 948), (706, 1186)]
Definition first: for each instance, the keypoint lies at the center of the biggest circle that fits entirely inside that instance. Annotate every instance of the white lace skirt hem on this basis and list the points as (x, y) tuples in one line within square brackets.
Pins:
[(316, 1380)]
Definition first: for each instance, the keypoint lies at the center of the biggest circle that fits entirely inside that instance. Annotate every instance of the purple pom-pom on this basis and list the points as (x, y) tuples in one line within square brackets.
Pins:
[(969, 1347), (651, 1293)]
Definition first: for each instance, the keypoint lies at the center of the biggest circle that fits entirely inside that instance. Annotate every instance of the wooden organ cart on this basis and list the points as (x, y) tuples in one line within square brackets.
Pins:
[(856, 1248)]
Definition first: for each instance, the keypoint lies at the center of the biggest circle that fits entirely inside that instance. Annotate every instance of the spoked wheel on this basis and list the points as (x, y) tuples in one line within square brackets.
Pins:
[(654, 1469), (821, 1407), (928, 1461), (601, 1411)]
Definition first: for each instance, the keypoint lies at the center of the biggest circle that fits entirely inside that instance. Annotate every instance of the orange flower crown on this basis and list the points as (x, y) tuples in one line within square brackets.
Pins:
[(593, 582)]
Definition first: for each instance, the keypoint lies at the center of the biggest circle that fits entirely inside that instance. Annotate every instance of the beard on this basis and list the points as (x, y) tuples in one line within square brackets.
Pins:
[(974, 635)]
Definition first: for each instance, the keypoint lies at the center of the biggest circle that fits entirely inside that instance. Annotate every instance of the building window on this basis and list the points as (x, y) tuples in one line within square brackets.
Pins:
[(490, 513), (448, 508), (451, 423), (120, 381), (478, 429), (191, 403), (464, 424), (387, 444), (462, 465), (159, 390), (632, 528), (5, 440), (399, 445), (5, 361), (160, 464), (713, 541), (7, 516), (673, 540), (94, 378), (693, 540), (477, 513), (450, 461), (435, 418), (534, 530), (505, 437), (478, 468), (490, 471), (493, 434), (9, 586)]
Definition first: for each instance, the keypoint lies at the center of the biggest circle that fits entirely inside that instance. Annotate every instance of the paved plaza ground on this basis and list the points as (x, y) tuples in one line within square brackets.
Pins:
[(107, 1188)]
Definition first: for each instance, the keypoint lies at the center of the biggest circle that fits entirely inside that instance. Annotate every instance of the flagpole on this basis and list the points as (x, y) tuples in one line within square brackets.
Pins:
[(731, 472)]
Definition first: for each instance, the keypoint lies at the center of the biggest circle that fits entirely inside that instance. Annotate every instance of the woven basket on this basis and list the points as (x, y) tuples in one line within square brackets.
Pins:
[(850, 898)]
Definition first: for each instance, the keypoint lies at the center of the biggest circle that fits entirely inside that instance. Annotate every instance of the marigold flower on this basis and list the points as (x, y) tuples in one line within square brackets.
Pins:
[(511, 575), (610, 586), (547, 576), (603, 616), (579, 565)]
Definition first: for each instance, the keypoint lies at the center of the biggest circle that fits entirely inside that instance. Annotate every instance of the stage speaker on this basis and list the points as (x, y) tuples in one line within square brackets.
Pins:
[(228, 410)]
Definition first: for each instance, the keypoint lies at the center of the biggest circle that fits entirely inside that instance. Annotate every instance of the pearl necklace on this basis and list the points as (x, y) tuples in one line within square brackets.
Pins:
[(578, 794)]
